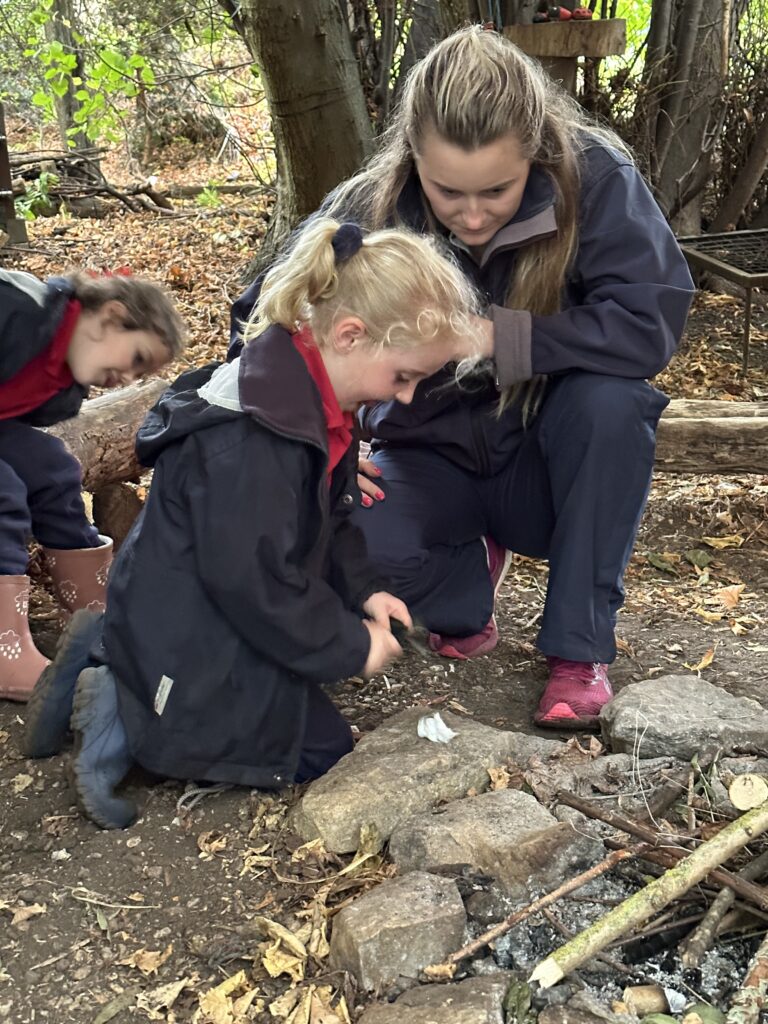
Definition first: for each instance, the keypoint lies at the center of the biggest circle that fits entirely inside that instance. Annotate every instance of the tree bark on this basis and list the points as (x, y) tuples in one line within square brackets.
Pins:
[(713, 437), (59, 28), (102, 437), (745, 184), (319, 119)]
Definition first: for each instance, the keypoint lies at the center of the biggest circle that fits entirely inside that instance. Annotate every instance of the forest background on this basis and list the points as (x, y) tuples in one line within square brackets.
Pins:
[(184, 140)]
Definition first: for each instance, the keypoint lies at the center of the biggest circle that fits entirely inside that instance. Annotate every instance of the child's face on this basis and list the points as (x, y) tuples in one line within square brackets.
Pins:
[(105, 354), (362, 372)]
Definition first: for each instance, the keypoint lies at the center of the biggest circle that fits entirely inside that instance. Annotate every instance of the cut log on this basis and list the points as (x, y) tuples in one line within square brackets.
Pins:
[(713, 437), (693, 437), (102, 436)]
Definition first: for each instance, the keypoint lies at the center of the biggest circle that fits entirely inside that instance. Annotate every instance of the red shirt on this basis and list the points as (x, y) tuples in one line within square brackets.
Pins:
[(338, 423), (45, 375)]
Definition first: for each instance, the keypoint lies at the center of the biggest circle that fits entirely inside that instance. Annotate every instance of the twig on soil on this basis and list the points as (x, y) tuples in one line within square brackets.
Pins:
[(659, 893), (84, 896), (695, 945), (447, 968), (749, 1001), (663, 854)]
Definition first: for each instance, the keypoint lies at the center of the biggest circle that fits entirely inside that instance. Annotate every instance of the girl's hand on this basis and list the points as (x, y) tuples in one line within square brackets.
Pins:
[(368, 473), (382, 606), (384, 648)]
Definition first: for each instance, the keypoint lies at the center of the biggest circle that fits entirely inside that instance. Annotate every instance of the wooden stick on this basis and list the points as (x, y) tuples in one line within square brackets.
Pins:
[(663, 854), (749, 1000), (659, 893), (695, 945), (447, 968)]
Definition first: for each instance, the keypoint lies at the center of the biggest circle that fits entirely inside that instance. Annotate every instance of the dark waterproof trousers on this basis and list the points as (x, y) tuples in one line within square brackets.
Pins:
[(40, 496), (573, 493)]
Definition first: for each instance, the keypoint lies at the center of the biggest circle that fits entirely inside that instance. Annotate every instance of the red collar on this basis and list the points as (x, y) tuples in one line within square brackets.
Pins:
[(339, 424)]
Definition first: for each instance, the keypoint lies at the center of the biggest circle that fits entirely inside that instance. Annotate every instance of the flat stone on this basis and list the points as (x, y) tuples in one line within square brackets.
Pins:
[(680, 716), (584, 1008), (397, 929), (393, 773), (506, 834), (473, 1001)]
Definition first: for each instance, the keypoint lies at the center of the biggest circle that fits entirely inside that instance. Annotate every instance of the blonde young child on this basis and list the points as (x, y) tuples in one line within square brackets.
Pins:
[(244, 587), (57, 339)]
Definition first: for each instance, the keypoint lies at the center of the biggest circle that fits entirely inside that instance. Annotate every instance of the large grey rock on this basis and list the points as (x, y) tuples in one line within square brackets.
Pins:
[(474, 1001), (681, 716), (393, 773), (506, 834), (397, 929)]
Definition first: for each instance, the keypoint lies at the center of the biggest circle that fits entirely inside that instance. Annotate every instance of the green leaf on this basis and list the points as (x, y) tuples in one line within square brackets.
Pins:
[(698, 557), (660, 562)]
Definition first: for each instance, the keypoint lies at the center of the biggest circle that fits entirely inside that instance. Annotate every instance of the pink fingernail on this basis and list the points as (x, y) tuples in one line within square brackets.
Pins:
[(380, 495), (367, 501), (376, 471)]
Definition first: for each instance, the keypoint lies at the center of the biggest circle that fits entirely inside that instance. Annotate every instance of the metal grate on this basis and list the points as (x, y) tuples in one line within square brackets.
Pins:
[(739, 256)]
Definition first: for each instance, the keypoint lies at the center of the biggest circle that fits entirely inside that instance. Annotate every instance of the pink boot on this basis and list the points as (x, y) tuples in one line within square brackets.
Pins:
[(20, 661), (80, 576), (574, 695), (463, 647)]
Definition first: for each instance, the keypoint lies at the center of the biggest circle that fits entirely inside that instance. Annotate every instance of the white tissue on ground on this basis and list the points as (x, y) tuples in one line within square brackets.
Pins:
[(432, 727)]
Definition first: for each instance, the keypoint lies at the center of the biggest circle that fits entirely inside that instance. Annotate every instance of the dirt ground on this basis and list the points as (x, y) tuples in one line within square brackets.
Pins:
[(91, 922)]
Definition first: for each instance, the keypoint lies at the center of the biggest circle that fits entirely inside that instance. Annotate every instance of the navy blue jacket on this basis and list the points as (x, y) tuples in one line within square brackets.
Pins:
[(30, 313), (624, 308), (242, 581)]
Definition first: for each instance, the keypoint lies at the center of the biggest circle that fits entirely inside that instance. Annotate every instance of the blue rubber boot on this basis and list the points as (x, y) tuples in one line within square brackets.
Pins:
[(50, 706), (101, 759)]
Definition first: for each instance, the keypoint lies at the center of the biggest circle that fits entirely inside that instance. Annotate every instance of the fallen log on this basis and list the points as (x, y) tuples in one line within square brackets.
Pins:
[(750, 1000), (102, 436), (694, 436), (697, 436)]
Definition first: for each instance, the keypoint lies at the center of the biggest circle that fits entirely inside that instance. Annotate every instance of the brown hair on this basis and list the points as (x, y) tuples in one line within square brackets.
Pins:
[(149, 307)]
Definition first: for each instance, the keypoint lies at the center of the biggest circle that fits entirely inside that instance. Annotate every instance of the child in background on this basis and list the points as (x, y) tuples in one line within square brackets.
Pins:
[(56, 340), (243, 586)]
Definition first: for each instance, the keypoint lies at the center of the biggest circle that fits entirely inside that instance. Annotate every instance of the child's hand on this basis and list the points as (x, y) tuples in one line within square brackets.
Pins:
[(382, 606), (384, 648)]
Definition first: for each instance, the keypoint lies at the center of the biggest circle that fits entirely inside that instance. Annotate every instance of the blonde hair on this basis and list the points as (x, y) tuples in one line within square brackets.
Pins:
[(398, 283), (471, 89), (148, 307)]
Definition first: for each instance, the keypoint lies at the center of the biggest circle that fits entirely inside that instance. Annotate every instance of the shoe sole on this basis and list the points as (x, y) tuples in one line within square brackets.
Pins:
[(587, 724), (44, 694), (82, 717)]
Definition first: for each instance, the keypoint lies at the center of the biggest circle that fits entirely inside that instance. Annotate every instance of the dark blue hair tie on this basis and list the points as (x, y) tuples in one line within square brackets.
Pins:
[(346, 241)]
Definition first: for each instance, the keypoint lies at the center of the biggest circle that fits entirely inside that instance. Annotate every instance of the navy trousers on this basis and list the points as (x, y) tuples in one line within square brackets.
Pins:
[(40, 496), (573, 493)]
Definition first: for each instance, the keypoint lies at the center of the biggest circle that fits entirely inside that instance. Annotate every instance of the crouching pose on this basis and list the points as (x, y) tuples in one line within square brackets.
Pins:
[(56, 340), (243, 586)]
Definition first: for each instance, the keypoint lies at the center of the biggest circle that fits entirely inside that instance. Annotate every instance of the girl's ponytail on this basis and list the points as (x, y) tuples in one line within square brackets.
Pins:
[(301, 280)]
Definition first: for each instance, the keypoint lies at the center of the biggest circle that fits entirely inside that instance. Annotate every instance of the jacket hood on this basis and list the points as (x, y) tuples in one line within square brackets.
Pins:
[(277, 389), (269, 381), (179, 412)]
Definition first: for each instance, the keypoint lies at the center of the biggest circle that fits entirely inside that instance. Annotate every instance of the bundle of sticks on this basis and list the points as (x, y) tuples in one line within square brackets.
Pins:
[(727, 894)]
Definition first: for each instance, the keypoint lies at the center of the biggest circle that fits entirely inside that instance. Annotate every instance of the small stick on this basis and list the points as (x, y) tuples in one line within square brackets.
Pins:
[(749, 1001), (447, 968), (642, 905), (695, 945), (566, 932), (748, 890)]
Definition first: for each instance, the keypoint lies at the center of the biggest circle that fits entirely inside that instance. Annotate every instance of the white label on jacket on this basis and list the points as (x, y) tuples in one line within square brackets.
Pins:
[(163, 692)]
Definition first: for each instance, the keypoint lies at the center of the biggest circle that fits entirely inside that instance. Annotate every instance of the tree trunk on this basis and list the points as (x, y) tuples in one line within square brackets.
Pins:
[(102, 437), (319, 119), (745, 184), (59, 28)]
